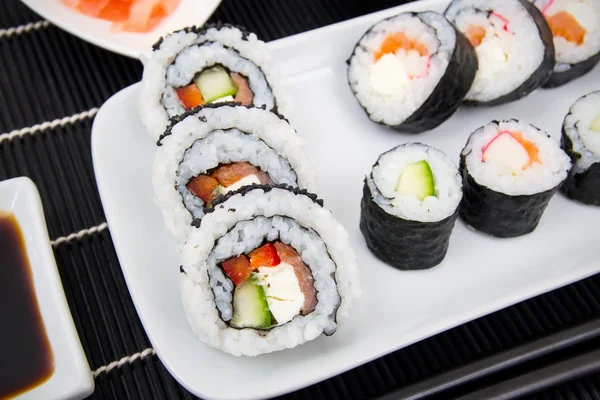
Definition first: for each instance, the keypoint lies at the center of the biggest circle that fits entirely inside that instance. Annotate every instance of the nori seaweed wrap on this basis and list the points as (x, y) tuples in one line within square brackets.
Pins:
[(581, 140), (510, 172), (412, 71), (410, 205)]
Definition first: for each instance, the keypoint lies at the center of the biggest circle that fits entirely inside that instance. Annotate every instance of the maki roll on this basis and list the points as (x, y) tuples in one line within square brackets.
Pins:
[(411, 71), (409, 206), (513, 44), (268, 269), (209, 65), (576, 28), (581, 141), (218, 149), (510, 172)]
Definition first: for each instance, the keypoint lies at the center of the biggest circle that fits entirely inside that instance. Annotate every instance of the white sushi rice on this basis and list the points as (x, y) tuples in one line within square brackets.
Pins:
[(537, 178), (385, 88), (182, 54), (506, 58), (246, 236), (197, 294), (587, 13), (384, 177), (259, 125), (577, 126)]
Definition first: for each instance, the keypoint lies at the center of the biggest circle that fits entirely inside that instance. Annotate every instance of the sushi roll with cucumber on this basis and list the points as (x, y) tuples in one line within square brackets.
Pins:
[(510, 171), (581, 141), (575, 25), (268, 269), (411, 71), (218, 149), (514, 48), (410, 205), (209, 65)]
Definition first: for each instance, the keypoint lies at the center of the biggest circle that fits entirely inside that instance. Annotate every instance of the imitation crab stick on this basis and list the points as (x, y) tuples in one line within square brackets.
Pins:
[(511, 149)]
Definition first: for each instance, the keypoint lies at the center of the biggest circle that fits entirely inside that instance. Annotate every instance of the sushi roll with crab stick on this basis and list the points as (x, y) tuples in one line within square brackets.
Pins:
[(269, 268), (208, 65), (510, 171), (217, 149), (410, 205), (412, 71), (575, 25), (581, 141), (514, 48)]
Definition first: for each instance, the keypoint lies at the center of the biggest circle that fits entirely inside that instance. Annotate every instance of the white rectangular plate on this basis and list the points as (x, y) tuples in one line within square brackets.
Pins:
[(479, 275), (72, 378)]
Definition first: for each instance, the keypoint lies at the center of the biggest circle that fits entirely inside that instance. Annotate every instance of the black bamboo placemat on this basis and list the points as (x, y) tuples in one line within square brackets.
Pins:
[(51, 85)]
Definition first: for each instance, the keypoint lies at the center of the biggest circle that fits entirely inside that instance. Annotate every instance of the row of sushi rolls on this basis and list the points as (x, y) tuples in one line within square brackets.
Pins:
[(264, 265)]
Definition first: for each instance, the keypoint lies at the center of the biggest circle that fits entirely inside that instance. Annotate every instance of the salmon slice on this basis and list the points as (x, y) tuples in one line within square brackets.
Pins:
[(203, 186), (288, 255), (475, 34), (228, 174), (563, 24), (393, 43), (244, 94)]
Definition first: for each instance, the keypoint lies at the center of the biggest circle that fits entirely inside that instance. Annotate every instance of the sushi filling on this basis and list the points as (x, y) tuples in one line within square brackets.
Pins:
[(282, 283), (506, 40), (212, 73), (268, 284), (416, 182), (576, 29), (515, 158), (582, 126), (225, 161), (225, 178), (215, 85), (398, 63)]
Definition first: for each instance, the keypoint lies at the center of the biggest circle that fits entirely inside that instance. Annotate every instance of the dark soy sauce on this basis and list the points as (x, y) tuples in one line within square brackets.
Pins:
[(26, 358)]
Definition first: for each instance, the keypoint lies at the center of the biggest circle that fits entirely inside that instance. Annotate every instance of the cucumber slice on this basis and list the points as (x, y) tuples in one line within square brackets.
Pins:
[(250, 307), (417, 180), (215, 83), (596, 124)]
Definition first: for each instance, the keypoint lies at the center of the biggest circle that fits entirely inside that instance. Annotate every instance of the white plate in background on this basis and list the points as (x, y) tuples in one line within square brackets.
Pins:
[(480, 274), (72, 378), (98, 32)]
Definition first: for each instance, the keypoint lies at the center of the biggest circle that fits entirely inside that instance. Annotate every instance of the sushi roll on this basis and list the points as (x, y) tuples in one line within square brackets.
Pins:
[(268, 269), (409, 206), (514, 48), (510, 172), (209, 65), (218, 149), (581, 141), (576, 28), (411, 71)]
